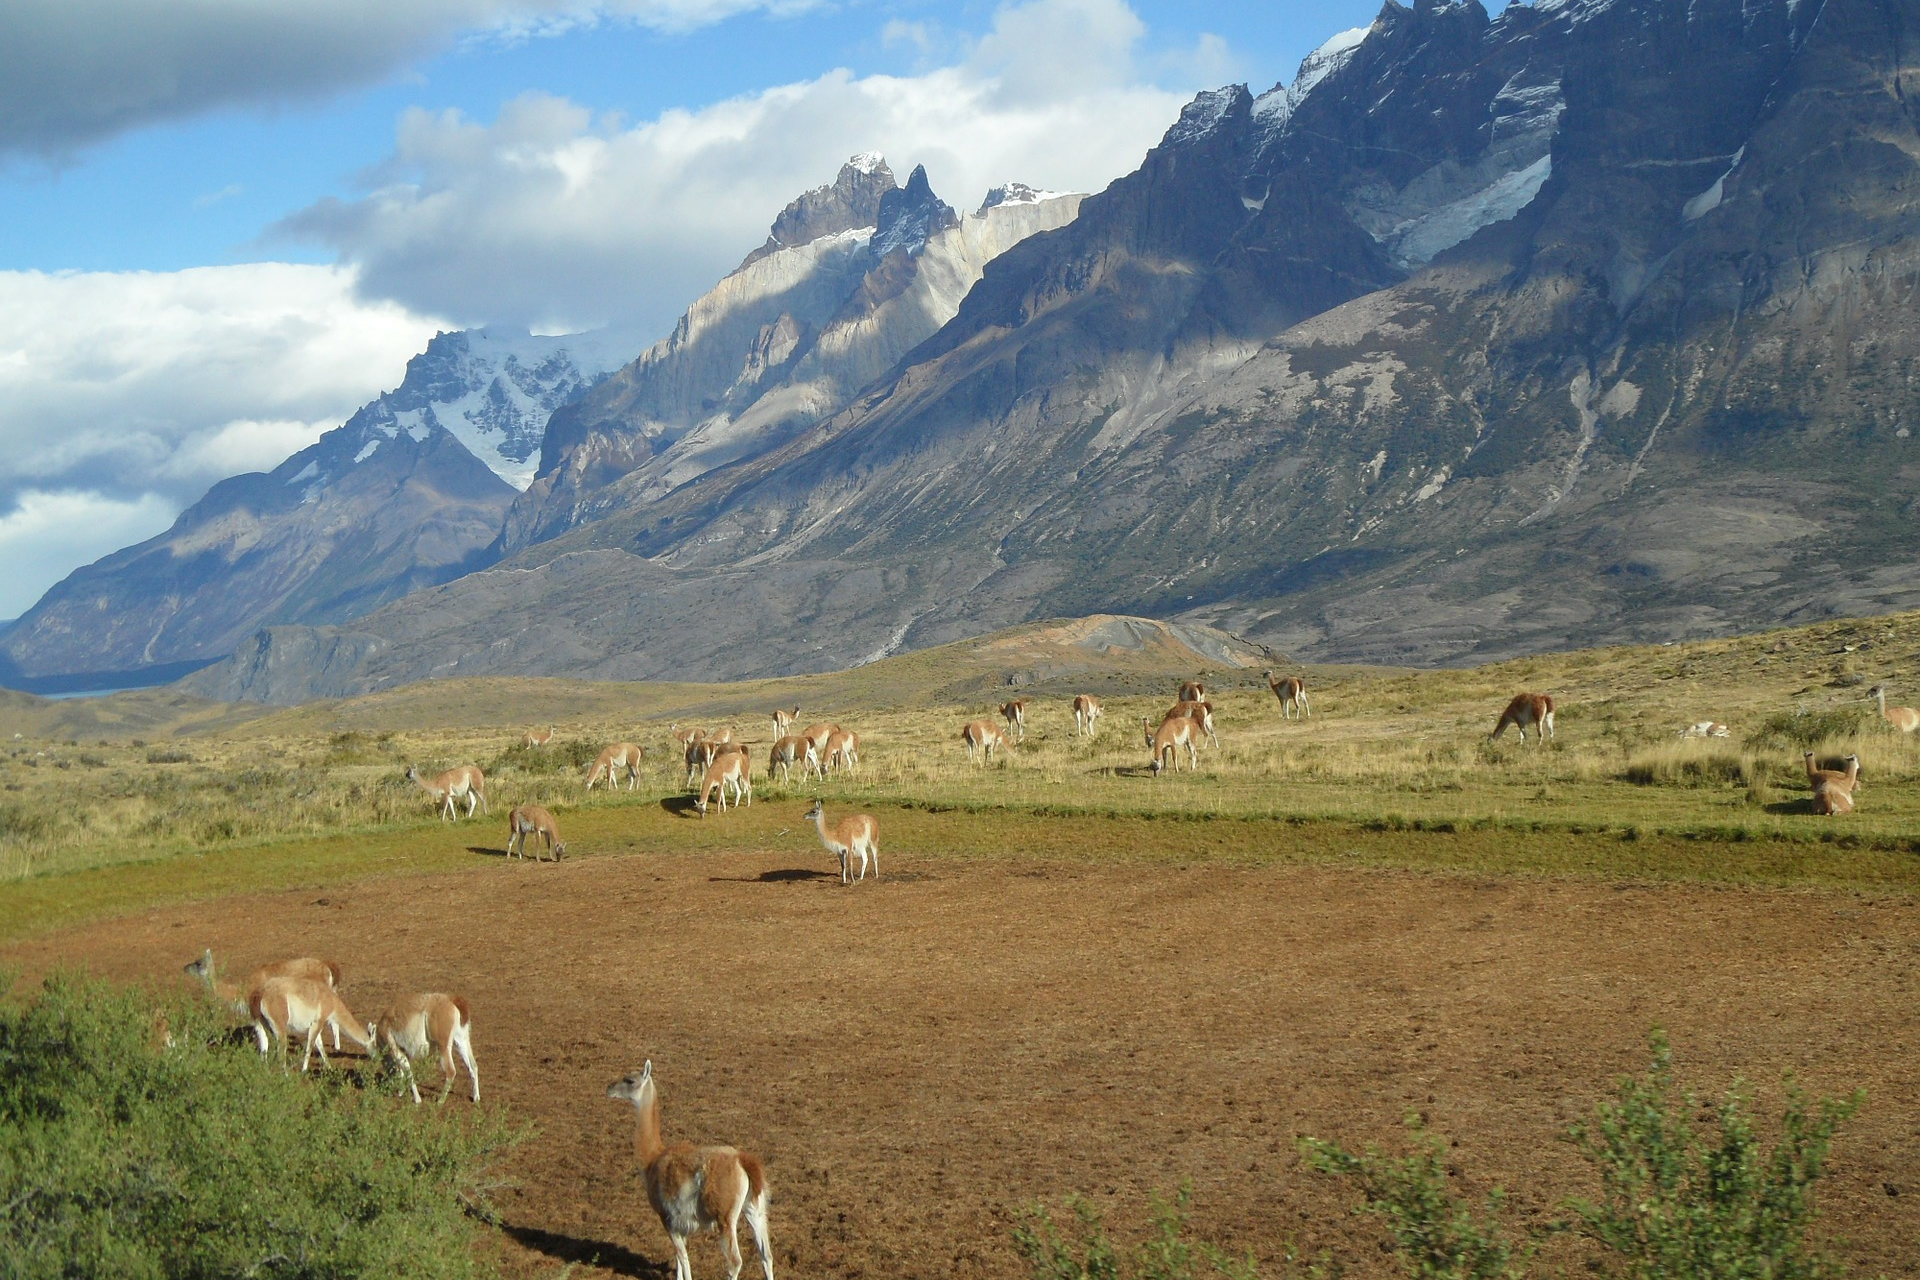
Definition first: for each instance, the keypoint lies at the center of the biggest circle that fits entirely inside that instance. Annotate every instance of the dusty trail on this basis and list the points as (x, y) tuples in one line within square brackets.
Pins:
[(920, 1058)]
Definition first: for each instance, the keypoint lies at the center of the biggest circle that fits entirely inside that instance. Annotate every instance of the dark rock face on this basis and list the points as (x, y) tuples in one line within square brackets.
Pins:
[(852, 200), (910, 216), (1592, 322)]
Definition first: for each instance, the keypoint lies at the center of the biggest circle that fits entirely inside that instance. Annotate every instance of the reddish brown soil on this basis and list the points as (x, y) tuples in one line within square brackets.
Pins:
[(920, 1058)]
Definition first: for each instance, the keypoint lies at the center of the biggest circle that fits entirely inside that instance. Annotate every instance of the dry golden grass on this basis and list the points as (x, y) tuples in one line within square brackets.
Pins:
[(1384, 749)]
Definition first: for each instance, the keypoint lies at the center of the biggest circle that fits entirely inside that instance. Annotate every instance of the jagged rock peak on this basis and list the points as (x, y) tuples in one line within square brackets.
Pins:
[(910, 216), (851, 201), (1015, 193), (1206, 113), (1277, 105)]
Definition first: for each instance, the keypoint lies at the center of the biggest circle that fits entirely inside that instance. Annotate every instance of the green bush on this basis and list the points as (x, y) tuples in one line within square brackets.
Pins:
[(1676, 1206), (1436, 1235), (136, 1144), (1164, 1255), (1673, 1205), (1800, 730)]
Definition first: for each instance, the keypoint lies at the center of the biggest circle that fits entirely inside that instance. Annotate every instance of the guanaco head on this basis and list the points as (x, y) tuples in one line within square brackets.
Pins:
[(635, 1088), (413, 773), (816, 813), (201, 968), (559, 850)]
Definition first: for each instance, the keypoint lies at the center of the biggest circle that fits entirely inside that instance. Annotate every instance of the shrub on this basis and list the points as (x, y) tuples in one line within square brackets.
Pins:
[(1688, 764), (1676, 1206), (168, 755), (1800, 729), (124, 1154), (1437, 1235), (1164, 1255)]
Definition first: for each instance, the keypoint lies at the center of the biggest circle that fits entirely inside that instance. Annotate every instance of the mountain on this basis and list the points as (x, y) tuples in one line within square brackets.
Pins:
[(1590, 322), (854, 275), (410, 492)]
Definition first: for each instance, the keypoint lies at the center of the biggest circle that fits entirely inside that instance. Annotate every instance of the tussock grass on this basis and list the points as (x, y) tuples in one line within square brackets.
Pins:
[(1385, 750)]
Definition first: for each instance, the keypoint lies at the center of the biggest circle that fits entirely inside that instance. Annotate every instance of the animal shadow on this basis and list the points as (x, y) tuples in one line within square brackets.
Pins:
[(616, 1258), (682, 805), (784, 875), (1125, 770), (1804, 805), (485, 852)]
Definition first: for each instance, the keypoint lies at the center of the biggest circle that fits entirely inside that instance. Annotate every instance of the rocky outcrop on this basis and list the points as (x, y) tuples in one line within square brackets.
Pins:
[(850, 202)]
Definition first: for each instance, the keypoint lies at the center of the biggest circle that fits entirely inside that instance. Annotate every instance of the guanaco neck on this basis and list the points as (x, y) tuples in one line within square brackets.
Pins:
[(1881, 695), (646, 1134)]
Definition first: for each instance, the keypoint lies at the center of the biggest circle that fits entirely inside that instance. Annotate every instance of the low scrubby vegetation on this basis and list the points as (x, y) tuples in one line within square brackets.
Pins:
[(1674, 1202), (137, 1140)]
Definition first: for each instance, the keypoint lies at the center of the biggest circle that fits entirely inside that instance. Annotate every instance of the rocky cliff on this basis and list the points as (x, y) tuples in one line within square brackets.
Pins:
[(1591, 321), (780, 344)]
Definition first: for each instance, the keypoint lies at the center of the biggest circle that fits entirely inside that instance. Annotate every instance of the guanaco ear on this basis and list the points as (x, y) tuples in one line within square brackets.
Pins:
[(646, 1072)]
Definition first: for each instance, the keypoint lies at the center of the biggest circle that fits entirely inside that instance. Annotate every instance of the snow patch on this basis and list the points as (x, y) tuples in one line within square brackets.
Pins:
[(367, 450), (307, 472), (866, 161), (1016, 193), (1417, 241), (1709, 200), (1272, 109)]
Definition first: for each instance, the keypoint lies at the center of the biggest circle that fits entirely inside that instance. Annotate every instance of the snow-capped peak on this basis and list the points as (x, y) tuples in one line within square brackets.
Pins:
[(1016, 193), (1275, 107), (867, 162), (1204, 114)]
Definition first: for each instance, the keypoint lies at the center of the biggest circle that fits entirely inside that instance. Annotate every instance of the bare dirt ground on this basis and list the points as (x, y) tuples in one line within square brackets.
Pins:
[(919, 1059)]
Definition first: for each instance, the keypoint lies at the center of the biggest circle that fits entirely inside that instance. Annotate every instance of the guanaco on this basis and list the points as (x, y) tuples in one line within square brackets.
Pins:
[(850, 838), (1086, 710), (1292, 692), (1527, 709), (300, 1007), (1833, 789), (611, 760), (436, 1023), (532, 820), (462, 782), (981, 738), (696, 1189)]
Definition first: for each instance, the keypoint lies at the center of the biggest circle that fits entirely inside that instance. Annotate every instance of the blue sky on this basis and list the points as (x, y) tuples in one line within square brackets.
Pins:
[(230, 222)]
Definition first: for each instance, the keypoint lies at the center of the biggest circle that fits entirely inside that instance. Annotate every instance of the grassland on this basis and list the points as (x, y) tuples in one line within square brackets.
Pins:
[(120, 801)]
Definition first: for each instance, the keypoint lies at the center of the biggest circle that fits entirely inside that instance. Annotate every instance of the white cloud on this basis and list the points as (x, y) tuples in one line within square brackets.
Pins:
[(149, 386), (550, 217), (47, 533), (76, 71)]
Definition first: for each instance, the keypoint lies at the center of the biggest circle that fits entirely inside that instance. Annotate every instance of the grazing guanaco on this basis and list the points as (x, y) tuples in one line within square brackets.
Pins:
[(732, 768), (818, 734), (850, 838), (1201, 713), (789, 751), (1165, 742), (982, 737), (1833, 789), (1086, 710), (611, 760), (1292, 692), (1527, 709), (843, 750), (234, 994), (1905, 719), (682, 736), (696, 1189), (537, 737), (1193, 691), (300, 1007), (1015, 714), (532, 820), (783, 721), (436, 1023), (462, 782)]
